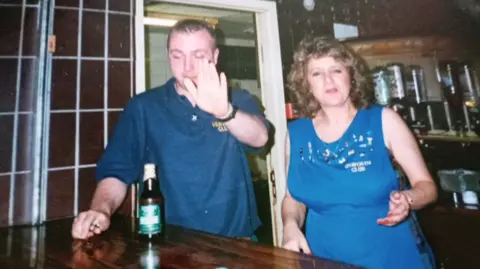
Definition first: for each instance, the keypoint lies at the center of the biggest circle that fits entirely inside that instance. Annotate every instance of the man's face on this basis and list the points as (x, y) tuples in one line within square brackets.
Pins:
[(185, 51)]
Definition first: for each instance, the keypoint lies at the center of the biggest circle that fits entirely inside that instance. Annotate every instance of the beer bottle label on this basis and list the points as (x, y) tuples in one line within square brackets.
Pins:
[(150, 219)]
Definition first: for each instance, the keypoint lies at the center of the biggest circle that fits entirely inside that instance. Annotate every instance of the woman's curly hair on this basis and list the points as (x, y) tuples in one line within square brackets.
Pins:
[(361, 92)]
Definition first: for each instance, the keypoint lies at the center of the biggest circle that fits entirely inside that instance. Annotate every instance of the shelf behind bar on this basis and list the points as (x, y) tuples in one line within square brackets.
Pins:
[(450, 138)]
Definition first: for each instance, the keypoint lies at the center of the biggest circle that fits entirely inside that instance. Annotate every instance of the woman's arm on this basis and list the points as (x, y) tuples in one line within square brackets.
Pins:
[(404, 148), (293, 212)]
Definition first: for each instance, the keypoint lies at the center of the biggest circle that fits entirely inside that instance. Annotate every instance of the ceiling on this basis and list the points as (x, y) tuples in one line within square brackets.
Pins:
[(231, 23)]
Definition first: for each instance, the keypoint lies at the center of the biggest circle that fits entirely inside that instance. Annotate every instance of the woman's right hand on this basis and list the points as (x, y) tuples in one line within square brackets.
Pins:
[(294, 239)]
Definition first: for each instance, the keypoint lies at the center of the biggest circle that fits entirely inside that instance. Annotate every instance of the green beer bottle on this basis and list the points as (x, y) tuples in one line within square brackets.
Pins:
[(151, 222)]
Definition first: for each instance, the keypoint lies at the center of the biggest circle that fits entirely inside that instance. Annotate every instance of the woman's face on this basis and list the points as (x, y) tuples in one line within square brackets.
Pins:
[(329, 81)]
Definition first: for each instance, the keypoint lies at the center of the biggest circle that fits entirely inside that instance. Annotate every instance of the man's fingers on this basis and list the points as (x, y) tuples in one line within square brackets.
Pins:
[(79, 218), (77, 226), (87, 222), (89, 234), (223, 82), (190, 86), (213, 73)]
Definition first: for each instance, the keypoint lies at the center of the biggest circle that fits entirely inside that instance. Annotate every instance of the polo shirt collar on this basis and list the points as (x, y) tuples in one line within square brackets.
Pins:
[(172, 93)]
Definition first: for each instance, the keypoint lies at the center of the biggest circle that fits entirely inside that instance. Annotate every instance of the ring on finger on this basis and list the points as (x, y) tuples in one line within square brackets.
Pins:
[(94, 225)]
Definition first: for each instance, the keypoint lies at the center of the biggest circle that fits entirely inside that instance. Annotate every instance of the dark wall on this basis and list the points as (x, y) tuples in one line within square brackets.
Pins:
[(375, 19)]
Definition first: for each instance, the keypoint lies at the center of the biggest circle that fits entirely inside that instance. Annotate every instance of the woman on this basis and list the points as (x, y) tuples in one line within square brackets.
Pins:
[(339, 166)]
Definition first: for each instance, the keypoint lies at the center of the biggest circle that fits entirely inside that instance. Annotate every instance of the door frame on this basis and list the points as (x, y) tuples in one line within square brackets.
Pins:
[(271, 81)]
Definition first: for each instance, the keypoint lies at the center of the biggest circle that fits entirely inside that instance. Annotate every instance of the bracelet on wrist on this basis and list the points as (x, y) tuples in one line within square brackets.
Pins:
[(229, 111), (232, 110), (409, 196)]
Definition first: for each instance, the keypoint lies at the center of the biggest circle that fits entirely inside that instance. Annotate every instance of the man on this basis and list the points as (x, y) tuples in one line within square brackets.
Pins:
[(197, 133)]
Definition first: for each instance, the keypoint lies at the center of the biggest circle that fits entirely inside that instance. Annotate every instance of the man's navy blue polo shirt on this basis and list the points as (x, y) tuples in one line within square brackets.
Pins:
[(203, 170)]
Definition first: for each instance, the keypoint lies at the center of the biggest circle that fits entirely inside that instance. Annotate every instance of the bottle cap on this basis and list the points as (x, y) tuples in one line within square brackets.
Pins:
[(148, 171)]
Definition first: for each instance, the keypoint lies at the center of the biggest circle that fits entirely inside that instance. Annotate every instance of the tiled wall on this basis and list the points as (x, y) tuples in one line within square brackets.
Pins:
[(92, 80), (156, 59), (18, 58)]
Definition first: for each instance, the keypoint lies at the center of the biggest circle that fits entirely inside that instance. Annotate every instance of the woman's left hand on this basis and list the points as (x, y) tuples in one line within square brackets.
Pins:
[(399, 209)]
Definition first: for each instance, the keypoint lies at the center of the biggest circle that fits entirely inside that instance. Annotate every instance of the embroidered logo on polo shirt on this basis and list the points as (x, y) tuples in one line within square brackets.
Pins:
[(220, 126)]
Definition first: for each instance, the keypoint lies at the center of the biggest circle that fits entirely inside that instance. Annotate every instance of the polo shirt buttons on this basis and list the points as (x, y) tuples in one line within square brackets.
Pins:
[(194, 117), (206, 211)]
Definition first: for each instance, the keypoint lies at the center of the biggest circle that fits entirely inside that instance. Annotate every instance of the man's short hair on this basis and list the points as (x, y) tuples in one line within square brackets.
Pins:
[(192, 26)]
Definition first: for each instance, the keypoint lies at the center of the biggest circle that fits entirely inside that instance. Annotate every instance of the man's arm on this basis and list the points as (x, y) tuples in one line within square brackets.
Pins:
[(109, 195), (124, 155), (121, 163), (249, 125), (248, 129), (119, 166)]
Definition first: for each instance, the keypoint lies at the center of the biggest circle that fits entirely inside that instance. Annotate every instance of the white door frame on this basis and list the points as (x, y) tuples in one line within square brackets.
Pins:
[(271, 79)]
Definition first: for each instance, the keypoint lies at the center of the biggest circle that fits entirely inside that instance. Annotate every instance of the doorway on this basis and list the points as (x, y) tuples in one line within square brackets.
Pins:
[(249, 55)]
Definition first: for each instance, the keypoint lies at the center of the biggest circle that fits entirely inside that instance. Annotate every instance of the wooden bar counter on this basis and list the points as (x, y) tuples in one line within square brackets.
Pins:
[(51, 246)]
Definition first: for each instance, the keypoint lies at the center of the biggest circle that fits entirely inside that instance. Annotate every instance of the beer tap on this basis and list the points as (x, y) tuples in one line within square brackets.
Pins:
[(468, 124), (432, 129), (448, 117)]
